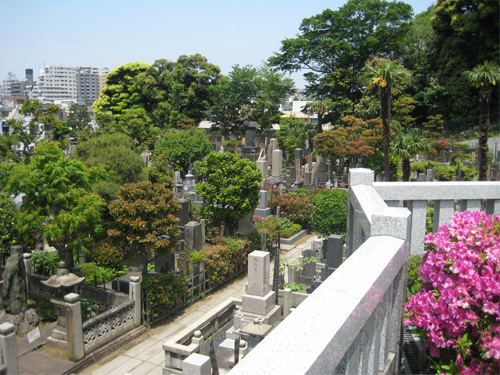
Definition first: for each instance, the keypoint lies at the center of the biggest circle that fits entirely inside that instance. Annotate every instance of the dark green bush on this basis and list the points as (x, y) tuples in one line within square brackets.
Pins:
[(45, 262), (45, 308), (88, 307), (162, 290), (108, 254), (414, 279), (225, 256), (330, 213)]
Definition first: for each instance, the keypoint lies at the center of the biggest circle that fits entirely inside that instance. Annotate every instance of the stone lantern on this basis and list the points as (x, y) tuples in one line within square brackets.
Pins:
[(63, 282)]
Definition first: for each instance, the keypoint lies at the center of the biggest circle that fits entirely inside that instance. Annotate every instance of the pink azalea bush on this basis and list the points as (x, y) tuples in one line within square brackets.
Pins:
[(458, 307)]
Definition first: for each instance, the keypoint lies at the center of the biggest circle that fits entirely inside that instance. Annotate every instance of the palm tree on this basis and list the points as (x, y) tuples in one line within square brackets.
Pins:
[(384, 74), (321, 107), (408, 145), (484, 77)]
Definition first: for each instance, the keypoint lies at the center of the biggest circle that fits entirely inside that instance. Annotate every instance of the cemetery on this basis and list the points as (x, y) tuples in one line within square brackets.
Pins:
[(189, 222)]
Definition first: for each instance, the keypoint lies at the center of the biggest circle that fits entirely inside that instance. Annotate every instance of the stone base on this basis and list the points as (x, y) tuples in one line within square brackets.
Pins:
[(60, 344), (256, 304), (241, 319), (263, 212), (24, 321)]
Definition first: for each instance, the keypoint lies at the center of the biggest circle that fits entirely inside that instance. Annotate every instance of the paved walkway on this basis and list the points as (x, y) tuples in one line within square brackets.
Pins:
[(148, 357)]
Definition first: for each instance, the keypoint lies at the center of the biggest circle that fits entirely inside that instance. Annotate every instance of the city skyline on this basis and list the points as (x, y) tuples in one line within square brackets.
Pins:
[(111, 33)]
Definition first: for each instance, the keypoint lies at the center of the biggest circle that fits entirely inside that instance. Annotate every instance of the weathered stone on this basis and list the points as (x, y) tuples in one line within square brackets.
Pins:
[(15, 293)]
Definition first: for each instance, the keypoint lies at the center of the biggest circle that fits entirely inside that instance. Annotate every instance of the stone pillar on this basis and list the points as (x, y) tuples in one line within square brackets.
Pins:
[(262, 166), (287, 302), (277, 163), (134, 293), (28, 266), (183, 213), (334, 249), (199, 340), (8, 348), (418, 223), (442, 213), (192, 236), (197, 364), (76, 349), (298, 163)]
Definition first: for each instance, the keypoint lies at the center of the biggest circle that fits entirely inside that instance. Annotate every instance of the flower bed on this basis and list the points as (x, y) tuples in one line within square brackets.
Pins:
[(458, 307)]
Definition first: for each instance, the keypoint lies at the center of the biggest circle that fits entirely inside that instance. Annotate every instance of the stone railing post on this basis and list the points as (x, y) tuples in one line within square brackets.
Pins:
[(136, 295), (8, 348), (76, 349)]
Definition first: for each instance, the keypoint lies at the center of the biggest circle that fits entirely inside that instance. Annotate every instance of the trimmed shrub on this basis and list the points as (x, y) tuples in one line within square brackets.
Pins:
[(295, 207), (291, 231), (269, 225), (225, 256), (108, 254), (163, 290), (330, 213)]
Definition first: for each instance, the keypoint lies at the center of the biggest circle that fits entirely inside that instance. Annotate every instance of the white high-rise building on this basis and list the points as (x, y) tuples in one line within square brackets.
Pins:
[(67, 83)]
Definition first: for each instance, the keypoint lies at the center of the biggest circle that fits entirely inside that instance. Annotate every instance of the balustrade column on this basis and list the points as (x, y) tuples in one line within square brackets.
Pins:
[(470, 205), (8, 348), (419, 220), (76, 348), (493, 206), (135, 295), (442, 213)]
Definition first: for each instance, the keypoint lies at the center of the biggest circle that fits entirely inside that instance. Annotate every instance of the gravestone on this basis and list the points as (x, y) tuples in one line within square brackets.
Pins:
[(259, 300), (334, 250), (245, 224), (193, 236), (277, 165), (262, 210), (298, 163), (320, 171), (183, 213), (263, 167), (309, 269), (189, 186)]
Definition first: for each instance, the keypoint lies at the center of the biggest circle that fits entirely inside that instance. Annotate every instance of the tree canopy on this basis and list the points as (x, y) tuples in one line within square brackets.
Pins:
[(58, 200), (230, 187), (337, 44)]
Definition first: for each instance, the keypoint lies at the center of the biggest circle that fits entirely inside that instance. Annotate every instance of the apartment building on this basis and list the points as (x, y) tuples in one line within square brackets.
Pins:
[(67, 83)]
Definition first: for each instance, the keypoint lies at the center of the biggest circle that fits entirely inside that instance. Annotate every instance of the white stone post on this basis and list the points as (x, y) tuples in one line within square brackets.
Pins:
[(197, 364), (8, 348), (28, 266), (419, 220), (277, 167), (442, 213), (76, 349), (287, 302), (135, 295)]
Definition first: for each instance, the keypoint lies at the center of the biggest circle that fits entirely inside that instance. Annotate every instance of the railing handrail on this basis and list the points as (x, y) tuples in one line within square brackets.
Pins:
[(439, 190)]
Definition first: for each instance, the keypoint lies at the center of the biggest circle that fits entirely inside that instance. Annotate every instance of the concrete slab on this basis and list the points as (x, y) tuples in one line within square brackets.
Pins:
[(142, 369), (39, 364), (128, 366), (148, 343), (158, 358)]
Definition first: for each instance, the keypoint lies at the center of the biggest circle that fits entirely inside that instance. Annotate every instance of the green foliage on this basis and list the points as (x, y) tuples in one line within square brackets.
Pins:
[(145, 215), (45, 309), (88, 307), (330, 213), (45, 262), (79, 120), (271, 226), (160, 172), (7, 231), (100, 275), (225, 257), (58, 200), (296, 287), (294, 206), (183, 147), (162, 290), (429, 220), (293, 134), (291, 231), (115, 152), (414, 279), (334, 46), (108, 254), (230, 187), (285, 222), (196, 256), (444, 172)]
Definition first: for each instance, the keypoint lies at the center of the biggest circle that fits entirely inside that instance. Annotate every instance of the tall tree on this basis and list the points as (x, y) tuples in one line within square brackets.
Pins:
[(338, 43), (408, 145), (484, 77), (58, 201), (467, 33), (28, 132), (145, 212), (384, 74), (230, 187), (79, 119)]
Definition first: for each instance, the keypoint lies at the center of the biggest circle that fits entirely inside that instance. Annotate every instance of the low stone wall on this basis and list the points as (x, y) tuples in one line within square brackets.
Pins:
[(294, 238), (182, 346), (106, 298), (105, 327)]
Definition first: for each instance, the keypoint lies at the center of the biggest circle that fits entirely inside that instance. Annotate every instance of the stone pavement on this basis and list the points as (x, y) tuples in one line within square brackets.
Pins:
[(145, 355)]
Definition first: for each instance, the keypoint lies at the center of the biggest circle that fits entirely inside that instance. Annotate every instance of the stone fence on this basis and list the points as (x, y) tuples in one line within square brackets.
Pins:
[(447, 197), (352, 322)]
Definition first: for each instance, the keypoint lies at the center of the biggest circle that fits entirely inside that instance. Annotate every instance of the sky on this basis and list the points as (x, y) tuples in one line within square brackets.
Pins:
[(109, 33)]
